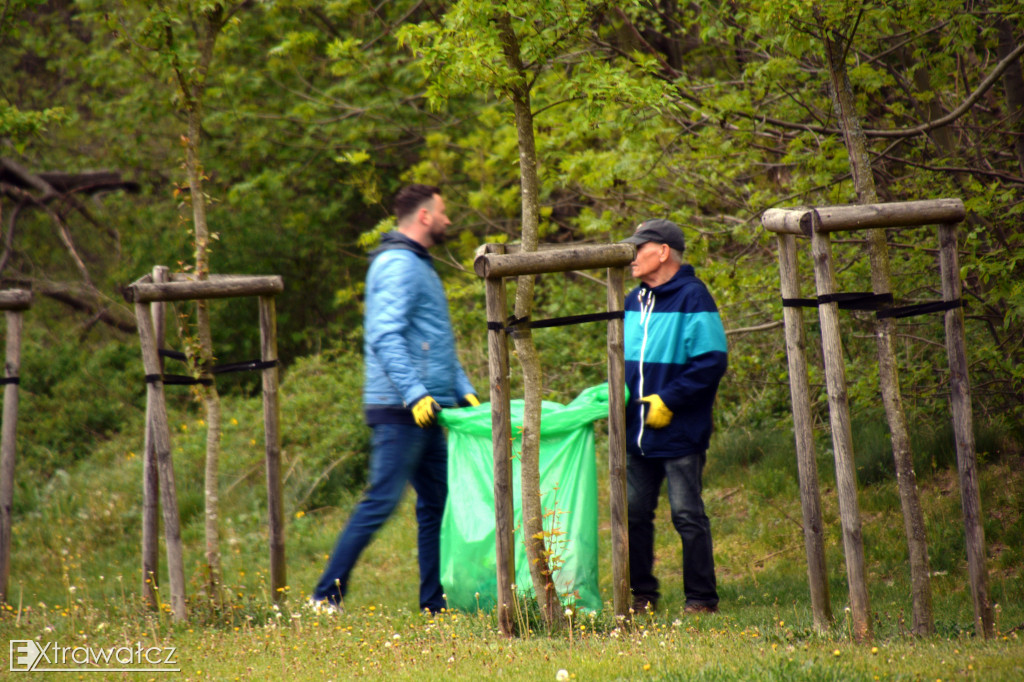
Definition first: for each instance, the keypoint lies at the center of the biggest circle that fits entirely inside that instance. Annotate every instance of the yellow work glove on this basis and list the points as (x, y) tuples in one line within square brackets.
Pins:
[(658, 416), (424, 412), (471, 399)]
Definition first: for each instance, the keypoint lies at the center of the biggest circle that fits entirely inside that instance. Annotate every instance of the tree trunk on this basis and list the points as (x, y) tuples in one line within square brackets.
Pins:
[(1013, 86), (888, 376), (537, 552), (193, 90)]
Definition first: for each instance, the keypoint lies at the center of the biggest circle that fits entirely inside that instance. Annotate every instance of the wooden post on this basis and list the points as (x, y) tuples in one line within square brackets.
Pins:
[(621, 595), (842, 437), (150, 477), (803, 431), (501, 436), (963, 427), (13, 302), (272, 439), (161, 438)]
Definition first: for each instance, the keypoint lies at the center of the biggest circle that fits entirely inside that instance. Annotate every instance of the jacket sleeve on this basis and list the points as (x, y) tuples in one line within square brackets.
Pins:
[(390, 300), (462, 383), (696, 382)]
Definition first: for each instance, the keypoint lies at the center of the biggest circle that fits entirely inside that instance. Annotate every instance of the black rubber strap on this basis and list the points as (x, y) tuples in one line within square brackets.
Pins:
[(186, 380), (857, 300), (177, 380), (6, 381), (518, 323), (172, 354), (799, 303), (921, 308), (578, 319), (246, 366)]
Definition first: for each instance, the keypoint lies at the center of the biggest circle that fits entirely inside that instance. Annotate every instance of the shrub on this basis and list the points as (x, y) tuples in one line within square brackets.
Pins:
[(324, 434), (73, 396)]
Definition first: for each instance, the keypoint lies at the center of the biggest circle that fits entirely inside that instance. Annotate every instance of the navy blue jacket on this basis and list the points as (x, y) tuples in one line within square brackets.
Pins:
[(675, 347), (408, 343)]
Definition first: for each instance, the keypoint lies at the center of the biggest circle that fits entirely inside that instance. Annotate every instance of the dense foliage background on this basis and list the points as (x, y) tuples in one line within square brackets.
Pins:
[(706, 112)]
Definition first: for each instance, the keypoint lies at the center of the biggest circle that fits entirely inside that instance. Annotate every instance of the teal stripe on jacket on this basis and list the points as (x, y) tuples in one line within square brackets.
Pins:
[(703, 333)]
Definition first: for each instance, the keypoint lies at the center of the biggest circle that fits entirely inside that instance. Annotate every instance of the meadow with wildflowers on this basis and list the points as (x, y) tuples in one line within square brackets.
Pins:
[(75, 576)]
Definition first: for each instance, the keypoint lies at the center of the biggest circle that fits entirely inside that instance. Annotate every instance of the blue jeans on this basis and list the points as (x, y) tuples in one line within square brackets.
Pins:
[(685, 481), (401, 454)]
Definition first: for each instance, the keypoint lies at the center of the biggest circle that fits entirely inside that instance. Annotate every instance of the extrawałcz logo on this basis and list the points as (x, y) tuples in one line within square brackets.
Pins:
[(30, 656)]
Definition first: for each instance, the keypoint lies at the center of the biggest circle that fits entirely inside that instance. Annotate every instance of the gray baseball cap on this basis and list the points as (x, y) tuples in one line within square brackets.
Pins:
[(659, 231)]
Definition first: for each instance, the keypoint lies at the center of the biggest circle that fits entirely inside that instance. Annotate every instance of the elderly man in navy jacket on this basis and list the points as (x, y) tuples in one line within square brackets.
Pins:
[(411, 372), (675, 357)]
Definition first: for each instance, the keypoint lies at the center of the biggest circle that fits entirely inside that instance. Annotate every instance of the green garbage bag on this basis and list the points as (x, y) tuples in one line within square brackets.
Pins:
[(568, 482)]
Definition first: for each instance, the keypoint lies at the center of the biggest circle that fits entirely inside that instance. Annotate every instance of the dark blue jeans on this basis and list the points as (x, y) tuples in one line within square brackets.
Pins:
[(685, 482), (401, 454)]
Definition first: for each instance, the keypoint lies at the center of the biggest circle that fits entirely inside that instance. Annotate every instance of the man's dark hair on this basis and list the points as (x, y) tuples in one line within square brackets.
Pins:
[(411, 197)]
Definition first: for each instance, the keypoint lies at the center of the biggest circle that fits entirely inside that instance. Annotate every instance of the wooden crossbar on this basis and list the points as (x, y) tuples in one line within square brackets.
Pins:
[(583, 257), (801, 221)]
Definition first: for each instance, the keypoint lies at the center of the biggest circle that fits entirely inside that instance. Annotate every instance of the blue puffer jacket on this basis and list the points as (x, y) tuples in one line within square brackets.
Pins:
[(409, 347), (675, 347)]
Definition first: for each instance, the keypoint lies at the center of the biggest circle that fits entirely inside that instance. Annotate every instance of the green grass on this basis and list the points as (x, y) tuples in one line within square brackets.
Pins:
[(75, 571)]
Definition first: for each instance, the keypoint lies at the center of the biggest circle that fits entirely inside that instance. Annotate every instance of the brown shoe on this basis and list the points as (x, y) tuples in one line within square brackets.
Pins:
[(644, 605), (700, 608)]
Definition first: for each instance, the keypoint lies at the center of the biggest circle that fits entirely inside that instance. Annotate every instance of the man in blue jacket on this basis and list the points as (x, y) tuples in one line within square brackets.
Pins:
[(675, 357), (411, 372)]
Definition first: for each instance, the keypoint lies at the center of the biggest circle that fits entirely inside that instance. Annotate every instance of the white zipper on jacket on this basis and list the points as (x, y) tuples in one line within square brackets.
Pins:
[(646, 308)]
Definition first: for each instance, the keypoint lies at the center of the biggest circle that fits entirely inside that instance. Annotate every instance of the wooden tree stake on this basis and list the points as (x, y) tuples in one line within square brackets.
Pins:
[(501, 437), (618, 503), (150, 477), (842, 437), (807, 465), (272, 438), (13, 302), (161, 440), (963, 427)]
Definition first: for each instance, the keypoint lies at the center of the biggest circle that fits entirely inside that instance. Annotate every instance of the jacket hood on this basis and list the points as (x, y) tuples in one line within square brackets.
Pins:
[(396, 240), (685, 271)]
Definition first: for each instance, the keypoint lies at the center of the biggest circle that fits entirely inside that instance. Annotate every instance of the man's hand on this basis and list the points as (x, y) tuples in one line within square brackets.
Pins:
[(658, 416), (424, 412), (471, 399)]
